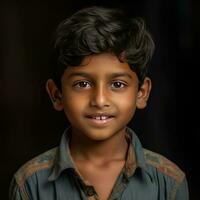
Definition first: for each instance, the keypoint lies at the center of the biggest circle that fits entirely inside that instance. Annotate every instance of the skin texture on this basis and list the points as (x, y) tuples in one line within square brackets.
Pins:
[(95, 148)]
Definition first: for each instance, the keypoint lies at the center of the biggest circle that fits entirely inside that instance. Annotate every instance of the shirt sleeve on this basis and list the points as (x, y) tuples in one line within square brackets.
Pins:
[(16, 192), (182, 192)]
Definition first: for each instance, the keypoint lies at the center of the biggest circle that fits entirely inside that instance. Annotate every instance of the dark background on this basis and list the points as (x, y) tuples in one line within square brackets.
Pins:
[(30, 126)]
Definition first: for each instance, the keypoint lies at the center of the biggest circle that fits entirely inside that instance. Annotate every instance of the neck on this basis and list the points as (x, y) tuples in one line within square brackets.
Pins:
[(98, 152)]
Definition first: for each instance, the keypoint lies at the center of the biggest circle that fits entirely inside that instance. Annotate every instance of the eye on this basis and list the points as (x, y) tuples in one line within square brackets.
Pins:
[(118, 85), (82, 84)]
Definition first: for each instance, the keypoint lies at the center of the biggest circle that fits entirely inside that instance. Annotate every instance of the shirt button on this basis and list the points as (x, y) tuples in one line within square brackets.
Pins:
[(90, 191)]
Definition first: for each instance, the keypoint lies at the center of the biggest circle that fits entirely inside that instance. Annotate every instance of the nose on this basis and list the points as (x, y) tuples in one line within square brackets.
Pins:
[(100, 96)]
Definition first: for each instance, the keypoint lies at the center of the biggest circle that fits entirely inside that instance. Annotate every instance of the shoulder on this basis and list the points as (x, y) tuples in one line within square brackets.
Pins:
[(43, 161), (164, 165)]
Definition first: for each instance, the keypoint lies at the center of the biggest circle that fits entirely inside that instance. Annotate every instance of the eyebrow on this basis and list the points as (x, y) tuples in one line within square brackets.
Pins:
[(113, 75)]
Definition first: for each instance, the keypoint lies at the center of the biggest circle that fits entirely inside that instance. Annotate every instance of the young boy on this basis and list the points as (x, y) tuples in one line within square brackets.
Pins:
[(99, 81)]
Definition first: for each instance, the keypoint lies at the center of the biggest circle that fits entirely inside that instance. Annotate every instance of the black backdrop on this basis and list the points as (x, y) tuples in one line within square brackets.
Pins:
[(30, 126)]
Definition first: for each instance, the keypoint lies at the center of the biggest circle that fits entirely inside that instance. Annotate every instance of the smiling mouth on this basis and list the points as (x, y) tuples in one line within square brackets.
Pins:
[(100, 120), (100, 117)]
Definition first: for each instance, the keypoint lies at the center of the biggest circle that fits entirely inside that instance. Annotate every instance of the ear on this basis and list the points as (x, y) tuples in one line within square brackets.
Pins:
[(54, 94), (143, 93)]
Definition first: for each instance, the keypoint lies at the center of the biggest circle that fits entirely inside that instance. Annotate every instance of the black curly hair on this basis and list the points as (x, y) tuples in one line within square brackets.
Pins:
[(96, 30)]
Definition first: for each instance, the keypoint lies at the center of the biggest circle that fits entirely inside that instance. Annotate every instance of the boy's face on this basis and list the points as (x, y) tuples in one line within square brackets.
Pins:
[(100, 97)]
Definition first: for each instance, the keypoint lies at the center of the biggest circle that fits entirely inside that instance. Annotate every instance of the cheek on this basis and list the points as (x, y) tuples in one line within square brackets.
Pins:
[(73, 103), (126, 105), (126, 102)]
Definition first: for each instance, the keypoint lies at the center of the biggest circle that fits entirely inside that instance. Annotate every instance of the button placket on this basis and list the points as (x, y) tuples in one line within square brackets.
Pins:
[(90, 191)]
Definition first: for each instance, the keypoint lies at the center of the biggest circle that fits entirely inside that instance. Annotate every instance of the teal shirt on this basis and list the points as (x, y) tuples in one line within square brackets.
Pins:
[(52, 176)]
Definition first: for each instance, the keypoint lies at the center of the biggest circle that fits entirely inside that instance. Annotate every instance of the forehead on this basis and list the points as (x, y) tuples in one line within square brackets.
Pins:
[(100, 65)]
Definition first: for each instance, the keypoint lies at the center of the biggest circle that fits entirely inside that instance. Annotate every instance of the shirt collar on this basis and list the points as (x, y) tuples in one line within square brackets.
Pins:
[(135, 155), (63, 158)]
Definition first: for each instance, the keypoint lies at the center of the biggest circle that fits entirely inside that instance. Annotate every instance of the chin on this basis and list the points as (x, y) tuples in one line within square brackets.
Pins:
[(100, 134)]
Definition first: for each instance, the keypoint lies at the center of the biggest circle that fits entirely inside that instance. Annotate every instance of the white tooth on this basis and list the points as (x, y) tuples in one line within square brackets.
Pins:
[(103, 117), (100, 117)]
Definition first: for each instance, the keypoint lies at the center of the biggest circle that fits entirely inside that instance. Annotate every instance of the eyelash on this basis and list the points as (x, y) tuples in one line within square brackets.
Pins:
[(77, 84)]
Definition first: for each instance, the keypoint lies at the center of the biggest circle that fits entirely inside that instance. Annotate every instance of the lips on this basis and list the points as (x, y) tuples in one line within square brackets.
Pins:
[(100, 118)]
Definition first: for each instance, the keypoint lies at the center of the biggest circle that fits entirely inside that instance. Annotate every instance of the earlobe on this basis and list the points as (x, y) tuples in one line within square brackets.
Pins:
[(54, 94), (143, 93)]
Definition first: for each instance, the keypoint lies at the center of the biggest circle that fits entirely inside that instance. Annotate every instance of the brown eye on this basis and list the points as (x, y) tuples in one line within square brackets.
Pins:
[(82, 84), (118, 85)]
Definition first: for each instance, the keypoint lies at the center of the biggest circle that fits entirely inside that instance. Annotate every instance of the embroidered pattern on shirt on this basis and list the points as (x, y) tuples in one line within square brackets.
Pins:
[(164, 165), (43, 161)]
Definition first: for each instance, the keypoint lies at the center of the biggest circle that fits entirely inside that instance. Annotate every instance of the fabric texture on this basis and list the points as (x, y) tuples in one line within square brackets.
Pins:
[(53, 176)]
